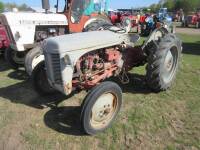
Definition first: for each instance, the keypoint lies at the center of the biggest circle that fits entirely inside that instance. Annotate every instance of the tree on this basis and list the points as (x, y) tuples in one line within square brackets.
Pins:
[(154, 8), (24, 7), (174, 5), (1, 7), (10, 6), (170, 5)]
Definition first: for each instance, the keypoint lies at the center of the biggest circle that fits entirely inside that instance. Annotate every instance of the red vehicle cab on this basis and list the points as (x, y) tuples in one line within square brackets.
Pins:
[(4, 40)]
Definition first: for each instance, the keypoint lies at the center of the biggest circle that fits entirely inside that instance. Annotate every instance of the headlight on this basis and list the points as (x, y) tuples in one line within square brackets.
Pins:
[(66, 60)]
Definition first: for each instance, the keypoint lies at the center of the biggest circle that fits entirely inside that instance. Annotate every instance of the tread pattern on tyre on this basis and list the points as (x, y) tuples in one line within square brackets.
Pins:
[(95, 25), (29, 58), (156, 58)]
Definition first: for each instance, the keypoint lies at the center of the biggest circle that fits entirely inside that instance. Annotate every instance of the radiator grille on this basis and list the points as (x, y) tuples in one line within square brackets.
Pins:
[(56, 68)]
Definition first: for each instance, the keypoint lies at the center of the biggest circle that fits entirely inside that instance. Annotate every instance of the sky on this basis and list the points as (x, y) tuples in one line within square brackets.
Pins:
[(114, 4)]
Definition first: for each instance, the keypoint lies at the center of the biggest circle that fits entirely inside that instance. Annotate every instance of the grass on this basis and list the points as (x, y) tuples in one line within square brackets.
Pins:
[(168, 120)]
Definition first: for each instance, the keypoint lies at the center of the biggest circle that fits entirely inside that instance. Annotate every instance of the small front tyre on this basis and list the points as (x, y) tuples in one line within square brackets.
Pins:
[(32, 59), (101, 107), (40, 81)]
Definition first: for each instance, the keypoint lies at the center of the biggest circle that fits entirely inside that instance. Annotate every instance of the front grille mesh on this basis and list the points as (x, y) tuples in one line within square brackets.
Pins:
[(56, 68)]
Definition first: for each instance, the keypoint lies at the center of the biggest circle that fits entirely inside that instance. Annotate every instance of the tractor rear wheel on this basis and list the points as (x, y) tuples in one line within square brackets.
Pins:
[(163, 62), (101, 107), (40, 81), (14, 58), (97, 25)]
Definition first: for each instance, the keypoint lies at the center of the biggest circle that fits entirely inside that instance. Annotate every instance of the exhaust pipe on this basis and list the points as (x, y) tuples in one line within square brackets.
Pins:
[(46, 5)]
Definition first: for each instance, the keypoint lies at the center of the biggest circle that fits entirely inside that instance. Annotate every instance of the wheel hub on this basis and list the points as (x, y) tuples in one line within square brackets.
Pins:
[(170, 64), (103, 110), (169, 61)]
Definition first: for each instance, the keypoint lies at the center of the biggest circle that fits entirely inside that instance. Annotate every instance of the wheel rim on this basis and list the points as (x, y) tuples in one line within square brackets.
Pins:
[(18, 58), (103, 110), (170, 65)]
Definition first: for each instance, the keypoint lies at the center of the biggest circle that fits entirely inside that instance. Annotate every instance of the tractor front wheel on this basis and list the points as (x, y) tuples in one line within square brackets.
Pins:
[(101, 107), (163, 62), (32, 59), (40, 81), (14, 58)]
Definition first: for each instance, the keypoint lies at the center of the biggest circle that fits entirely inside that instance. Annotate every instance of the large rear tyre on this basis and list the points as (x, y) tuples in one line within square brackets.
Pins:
[(101, 107), (14, 58), (40, 81), (97, 25), (163, 62), (32, 59)]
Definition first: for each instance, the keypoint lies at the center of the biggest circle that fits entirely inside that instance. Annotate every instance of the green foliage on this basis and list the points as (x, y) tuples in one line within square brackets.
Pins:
[(170, 5), (154, 7), (1, 7), (174, 5), (10, 6)]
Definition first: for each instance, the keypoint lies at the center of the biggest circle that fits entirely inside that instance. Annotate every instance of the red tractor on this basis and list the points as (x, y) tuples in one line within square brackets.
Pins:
[(126, 17), (115, 17), (193, 19)]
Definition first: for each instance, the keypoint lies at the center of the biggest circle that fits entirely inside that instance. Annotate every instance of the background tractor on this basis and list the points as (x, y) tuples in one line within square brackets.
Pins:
[(165, 19), (72, 65), (27, 30), (125, 18), (193, 19), (148, 24)]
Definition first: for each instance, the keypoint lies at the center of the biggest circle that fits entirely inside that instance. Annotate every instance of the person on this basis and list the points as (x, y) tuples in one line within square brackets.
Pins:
[(181, 15)]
